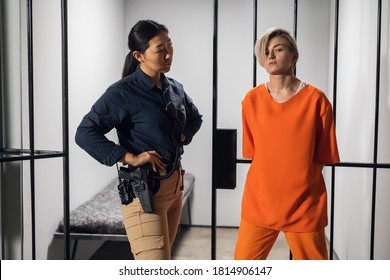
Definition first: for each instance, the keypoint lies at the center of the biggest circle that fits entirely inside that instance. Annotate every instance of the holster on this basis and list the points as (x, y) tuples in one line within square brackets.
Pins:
[(138, 182)]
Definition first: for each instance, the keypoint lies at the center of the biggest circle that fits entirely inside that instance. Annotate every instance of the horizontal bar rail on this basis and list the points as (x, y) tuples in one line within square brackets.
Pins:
[(342, 164), (9, 155)]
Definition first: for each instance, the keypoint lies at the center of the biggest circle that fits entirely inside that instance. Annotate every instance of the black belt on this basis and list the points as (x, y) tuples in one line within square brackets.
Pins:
[(173, 166)]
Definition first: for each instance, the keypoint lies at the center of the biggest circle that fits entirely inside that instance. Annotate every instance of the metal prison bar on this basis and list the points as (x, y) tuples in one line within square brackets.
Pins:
[(11, 155), (374, 165)]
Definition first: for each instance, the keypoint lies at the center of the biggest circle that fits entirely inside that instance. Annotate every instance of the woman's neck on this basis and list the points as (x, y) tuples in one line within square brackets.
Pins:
[(282, 82), (283, 87), (154, 76)]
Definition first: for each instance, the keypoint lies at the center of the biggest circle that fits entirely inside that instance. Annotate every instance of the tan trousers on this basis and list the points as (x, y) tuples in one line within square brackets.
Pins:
[(151, 235), (255, 243)]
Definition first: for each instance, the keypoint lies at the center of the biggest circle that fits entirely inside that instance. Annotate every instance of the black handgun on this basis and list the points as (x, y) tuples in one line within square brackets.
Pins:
[(137, 182)]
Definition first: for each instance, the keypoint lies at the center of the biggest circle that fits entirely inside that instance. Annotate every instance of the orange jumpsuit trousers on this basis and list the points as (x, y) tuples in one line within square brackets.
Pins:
[(255, 243)]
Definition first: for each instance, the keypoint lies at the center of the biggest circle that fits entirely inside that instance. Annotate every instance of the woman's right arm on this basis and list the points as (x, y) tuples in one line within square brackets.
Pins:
[(109, 111), (104, 115)]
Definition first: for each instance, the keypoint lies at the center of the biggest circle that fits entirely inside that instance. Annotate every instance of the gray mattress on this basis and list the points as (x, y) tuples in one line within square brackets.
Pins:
[(101, 214)]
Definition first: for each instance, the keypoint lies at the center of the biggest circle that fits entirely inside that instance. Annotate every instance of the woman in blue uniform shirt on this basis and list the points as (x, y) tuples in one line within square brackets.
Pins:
[(154, 118)]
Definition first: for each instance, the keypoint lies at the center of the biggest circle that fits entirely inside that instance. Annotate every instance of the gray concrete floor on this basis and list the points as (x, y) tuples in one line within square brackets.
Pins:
[(194, 243)]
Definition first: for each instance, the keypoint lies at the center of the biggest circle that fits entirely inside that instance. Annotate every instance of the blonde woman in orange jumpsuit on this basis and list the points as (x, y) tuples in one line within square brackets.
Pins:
[(289, 133)]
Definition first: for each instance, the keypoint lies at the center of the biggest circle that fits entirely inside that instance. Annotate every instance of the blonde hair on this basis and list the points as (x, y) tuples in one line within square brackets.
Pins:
[(262, 43)]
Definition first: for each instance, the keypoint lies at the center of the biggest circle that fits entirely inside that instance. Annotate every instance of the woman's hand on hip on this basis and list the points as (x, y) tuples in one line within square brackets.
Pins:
[(151, 157), (154, 159)]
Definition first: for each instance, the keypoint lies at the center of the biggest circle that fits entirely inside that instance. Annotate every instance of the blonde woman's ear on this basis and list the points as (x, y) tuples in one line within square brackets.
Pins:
[(295, 59)]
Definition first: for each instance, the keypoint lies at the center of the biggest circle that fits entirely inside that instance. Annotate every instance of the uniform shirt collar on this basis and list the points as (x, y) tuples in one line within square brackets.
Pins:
[(146, 82)]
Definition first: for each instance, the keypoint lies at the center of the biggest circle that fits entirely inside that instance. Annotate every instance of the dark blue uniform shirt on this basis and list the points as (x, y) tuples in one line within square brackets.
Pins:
[(144, 119)]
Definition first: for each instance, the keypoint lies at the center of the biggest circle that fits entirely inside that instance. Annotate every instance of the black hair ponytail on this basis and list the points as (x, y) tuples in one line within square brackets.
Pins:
[(130, 65)]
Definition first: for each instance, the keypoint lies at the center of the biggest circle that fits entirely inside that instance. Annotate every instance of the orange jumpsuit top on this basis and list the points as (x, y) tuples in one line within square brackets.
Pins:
[(288, 143)]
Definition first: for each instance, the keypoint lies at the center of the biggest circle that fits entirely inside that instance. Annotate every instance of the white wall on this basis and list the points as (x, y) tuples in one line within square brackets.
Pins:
[(11, 226), (47, 124), (95, 61), (235, 64), (96, 57), (382, 229), (355, 130)]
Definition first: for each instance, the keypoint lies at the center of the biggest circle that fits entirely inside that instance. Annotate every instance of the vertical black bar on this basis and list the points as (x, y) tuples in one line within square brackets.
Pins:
[(374, 175), (335, 67), (332, 202), (2, 253), (65, 124), (31, 118), (215, 99), (254, 42), (295, 26), (1, 82)]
